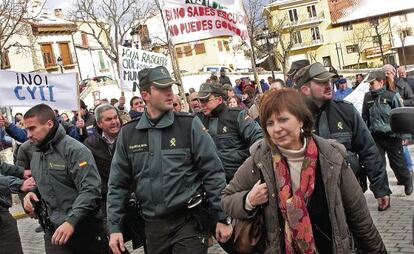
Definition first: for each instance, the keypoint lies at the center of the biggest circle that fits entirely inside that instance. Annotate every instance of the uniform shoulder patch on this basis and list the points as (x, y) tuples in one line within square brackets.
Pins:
[(184, 114), (342, 101), (83, 164)]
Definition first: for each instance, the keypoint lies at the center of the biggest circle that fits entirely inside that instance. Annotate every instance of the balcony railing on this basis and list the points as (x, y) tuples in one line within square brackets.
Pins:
[(308, 43), (305, 20)]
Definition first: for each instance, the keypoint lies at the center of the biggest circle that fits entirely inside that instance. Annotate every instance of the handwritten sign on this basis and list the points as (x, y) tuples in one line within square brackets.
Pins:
[(357, 96), (134, 60), (192, 20), (29, 89)]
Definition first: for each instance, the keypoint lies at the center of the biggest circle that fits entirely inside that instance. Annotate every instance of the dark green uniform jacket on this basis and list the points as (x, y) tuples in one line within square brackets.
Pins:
[(376, 110), (9, 182), (233, 132), (168, 161), (67, 178), (340, 120)]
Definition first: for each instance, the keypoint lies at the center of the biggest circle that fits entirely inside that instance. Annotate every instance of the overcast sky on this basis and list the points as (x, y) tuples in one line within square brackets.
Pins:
[(53, 4)]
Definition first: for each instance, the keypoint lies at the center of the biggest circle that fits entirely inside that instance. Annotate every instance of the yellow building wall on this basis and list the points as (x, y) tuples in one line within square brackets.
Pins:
[(213, 55), (334, 39)]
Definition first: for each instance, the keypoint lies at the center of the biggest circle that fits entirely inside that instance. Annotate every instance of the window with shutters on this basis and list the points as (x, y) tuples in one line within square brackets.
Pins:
[(47, 54), (65, 53), (297, 37), (200, 48), (85, 42), (188, 50), (226, 45), (102, 65), (5, 63), (293, 15), (179, 52), (315, 33), (220, 45), (311, 11)]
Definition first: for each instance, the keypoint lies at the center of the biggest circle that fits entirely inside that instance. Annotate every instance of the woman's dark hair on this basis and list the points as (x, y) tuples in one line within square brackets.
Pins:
[(236, 98), (249, 91), (65, 115), (277, 101)]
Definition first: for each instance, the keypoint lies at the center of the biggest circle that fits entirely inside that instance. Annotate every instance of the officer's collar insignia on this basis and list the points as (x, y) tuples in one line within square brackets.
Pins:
[(225, 129), (340, 126), (172, 142), (83, 164)]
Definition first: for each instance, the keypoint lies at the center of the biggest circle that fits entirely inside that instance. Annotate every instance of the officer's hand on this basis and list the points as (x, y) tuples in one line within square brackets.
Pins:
[(80, 123), (27, 173), (383, 203), (116, 242), (223, 232), (258, 194), (62, 233), (27, 202), (28, 184)]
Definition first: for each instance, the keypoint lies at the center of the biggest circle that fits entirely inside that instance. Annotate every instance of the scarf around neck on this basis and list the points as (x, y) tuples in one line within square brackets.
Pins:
[(298, 227)]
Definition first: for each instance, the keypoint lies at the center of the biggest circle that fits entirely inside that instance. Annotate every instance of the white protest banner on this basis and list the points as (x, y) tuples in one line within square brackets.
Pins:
[(357, 96), (28, 89), (134, 60), (193, 20)]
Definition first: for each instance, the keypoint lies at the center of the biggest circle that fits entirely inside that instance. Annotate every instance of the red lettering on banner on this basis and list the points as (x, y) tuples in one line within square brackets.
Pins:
[(200, 11), (179, 13), (196, 26)]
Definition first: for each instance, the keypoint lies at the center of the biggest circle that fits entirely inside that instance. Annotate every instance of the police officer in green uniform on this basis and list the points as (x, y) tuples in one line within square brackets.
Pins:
[(341, 121), (232, 129), (11, 181), (68, 187), (170, 157)]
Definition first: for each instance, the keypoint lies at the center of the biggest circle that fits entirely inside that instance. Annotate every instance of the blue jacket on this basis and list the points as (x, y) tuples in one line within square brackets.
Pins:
[(20, 134)]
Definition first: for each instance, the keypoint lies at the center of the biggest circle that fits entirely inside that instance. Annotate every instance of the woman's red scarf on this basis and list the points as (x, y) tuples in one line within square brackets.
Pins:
[(298, 227)]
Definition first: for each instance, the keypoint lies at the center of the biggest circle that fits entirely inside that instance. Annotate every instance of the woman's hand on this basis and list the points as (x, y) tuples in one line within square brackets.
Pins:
[(258, 194)]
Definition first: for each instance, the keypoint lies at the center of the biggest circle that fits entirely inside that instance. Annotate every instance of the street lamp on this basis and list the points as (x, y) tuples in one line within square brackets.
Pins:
[(268, 38), (60, 63)]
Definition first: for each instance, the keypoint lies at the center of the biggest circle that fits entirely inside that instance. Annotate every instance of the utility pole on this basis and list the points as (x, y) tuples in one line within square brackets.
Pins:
[(337, 53)]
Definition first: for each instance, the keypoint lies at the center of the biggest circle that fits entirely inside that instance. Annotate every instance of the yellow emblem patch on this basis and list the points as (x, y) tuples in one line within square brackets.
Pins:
[(83, 164)]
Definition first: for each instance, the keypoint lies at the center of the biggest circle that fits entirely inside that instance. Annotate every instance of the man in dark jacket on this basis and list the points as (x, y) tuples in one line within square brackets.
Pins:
[(11, 181), (223, 78), (232, 129), (68, 186), (169, 157), (102, 144), (137, 107), (376, 108), (340, 120), (85, 123)]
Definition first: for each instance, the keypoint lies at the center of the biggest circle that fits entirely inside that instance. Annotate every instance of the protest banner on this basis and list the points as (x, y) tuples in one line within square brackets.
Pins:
[(21, 89), (357, 96), (134, 60), (193, 20)]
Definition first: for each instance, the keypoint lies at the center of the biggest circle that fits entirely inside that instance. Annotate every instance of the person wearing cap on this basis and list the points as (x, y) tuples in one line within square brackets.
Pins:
[(378, 103), (228, 91), (294, 68), (343, 89), (232, 129), (223, 78), (341, 121), (169, 158)]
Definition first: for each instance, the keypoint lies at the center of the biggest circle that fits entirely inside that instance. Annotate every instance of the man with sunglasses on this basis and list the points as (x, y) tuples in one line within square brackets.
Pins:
[(168, 157), (340, 120)]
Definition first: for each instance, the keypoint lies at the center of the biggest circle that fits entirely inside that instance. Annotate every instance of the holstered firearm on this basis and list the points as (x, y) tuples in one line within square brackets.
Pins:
[(134, 224), (42, 215)]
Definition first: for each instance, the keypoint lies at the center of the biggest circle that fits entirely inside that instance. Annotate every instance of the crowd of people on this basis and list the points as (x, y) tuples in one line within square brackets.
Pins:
[(291, 152)]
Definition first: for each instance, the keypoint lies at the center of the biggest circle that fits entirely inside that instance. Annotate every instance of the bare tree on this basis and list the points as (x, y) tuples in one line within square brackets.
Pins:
[(14, 22), (285, 33), (360, 37), (255, 23), (110, 21)]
